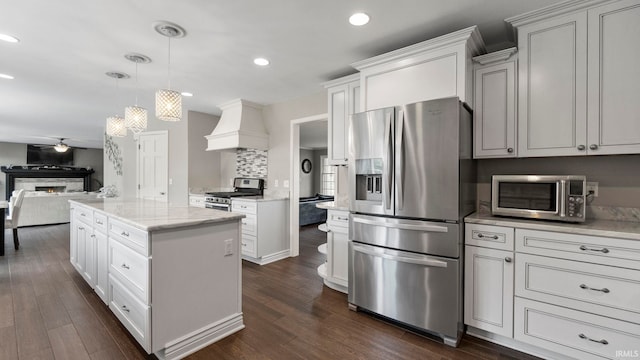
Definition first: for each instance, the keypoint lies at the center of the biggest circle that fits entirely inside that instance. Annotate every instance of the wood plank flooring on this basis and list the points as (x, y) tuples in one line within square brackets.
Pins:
[(47, 311)]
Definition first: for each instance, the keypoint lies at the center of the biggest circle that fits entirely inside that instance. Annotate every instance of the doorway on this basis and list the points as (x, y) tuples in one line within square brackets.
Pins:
[(312, 131), (153, 165)]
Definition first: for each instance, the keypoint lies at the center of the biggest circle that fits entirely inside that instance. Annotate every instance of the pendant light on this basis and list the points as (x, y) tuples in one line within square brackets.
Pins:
[(115, 124), (169, 102), (135, 117)]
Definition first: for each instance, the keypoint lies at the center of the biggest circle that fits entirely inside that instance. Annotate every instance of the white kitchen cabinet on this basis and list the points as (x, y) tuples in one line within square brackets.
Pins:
[(433, 69), (614, 78), (337, 250), (494, 115), (85, 242), (344, 100), (102, 273), (264, 229), (488, 302), (578, 80)]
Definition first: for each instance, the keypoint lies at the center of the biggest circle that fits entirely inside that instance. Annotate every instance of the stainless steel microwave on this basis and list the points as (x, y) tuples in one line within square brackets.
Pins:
[(548, 197)]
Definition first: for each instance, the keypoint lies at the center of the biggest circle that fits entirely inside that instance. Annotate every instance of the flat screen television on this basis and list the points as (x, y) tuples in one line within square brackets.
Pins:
[(47, 155)]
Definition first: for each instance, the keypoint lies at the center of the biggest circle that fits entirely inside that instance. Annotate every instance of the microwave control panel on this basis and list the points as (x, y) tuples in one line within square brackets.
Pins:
[(576, 199)]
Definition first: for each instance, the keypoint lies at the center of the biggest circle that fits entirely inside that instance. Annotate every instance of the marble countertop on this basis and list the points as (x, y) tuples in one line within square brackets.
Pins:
[(619, 229), (258, 198), (333, 205), (149, 215)]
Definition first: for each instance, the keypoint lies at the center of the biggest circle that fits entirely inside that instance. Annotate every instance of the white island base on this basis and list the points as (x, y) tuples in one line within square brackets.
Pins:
[(171, 275)]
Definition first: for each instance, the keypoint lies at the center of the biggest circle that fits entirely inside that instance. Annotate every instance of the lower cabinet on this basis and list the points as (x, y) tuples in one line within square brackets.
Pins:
[(102, 271), (264, 229), (335, 271)]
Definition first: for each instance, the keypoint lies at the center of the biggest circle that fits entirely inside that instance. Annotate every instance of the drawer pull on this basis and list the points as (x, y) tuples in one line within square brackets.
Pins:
[(585, 287), (507, 259), (494, 237), (81, 228), (603, 250), (243, 244), (93, 236), (243, 207), (125, 266), (585, 337), (124, 308), (124, 233), (99, 222), (342, 218), (83, 214), (244, 223)]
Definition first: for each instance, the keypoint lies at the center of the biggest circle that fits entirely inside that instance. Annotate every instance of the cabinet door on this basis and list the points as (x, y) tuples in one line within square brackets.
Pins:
[(488, 299), (338, 108), (614, 78), (102, 266), (337, 255), (89, 273), (552, 87), (73, 240), (80, 234), (495, 112)]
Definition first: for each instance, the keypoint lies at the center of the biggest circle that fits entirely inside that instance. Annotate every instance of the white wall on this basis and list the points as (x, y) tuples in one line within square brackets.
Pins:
[(204, 166)]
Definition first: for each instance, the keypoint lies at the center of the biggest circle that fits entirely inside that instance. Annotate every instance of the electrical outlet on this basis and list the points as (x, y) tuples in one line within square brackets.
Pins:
[(276, 182), (228, 247), (592, 186), (285, 183), (170, 181)]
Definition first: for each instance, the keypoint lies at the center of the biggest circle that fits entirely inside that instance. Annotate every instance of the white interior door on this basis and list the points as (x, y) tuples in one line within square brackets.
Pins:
[(153, 165)]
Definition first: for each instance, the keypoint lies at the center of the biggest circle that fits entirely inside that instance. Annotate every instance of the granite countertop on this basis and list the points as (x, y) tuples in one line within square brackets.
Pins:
[(619, 229), (149, 215), (333, 205)]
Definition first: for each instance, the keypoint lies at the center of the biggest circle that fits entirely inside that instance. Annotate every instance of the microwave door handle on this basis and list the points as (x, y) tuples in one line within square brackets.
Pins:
[(388, 150), (561, 197), (400, 161), (409, 260)]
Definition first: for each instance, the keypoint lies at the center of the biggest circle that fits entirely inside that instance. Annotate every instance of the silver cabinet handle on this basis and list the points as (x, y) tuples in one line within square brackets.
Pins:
[(585, 287), (603, 250), (243, 207), (244, 244), (507, 259), (124, 307), (509, 150), (81, 228), (99, 222), (585, 337), (83, 214), (124, 233), (593, 147), (125, 266), (244, 223), (162, 193), (342, 218), (494, 237), (93, 236), (581, 147)]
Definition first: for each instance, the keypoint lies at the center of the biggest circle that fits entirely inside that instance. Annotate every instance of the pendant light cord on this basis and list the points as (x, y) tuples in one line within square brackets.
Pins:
[(169, 63), (137, 87)]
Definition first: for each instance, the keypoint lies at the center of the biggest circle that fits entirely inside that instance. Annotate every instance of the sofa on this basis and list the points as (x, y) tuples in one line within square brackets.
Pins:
[(309, 213)]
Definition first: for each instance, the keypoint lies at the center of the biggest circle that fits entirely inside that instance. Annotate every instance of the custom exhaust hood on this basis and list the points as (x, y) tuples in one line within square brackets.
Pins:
[(240, 126)]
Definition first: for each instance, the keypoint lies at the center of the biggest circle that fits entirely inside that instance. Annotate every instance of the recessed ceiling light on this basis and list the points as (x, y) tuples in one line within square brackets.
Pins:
[(188, 94), (5, 76), (261, 61), (9, 38), (359, 19)]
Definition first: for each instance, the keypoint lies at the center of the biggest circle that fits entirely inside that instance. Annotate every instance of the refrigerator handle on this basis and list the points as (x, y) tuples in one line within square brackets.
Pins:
[(410, 260), (427, 228), (400, 161), (387, 161)]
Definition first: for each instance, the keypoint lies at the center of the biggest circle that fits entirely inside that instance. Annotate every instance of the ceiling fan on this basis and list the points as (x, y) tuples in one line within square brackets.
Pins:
[(60, 146)]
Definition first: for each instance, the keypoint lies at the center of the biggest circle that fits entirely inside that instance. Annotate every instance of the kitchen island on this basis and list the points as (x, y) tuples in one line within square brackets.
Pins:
[(170, 274)]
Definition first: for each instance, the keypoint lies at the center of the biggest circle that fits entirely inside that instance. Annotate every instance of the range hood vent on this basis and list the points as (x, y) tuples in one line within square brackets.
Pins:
[(240, 126)]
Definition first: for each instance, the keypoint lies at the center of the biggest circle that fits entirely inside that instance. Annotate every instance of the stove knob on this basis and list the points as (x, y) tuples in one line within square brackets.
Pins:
[(579, 200)]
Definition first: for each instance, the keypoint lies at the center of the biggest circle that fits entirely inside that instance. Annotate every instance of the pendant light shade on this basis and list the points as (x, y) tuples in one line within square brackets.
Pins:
[(135, 119), (168, 105), (169, 102), (116, 127)]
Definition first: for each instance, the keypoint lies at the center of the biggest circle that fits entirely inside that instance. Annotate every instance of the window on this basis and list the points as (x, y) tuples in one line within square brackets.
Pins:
[(327, 177)]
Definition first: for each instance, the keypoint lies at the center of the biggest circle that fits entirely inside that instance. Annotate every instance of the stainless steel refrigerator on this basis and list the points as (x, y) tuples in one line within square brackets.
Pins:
[(411, 183)]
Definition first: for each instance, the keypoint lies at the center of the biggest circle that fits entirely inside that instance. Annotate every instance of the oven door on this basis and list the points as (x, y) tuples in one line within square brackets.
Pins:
[(420, 290), (217, 206)]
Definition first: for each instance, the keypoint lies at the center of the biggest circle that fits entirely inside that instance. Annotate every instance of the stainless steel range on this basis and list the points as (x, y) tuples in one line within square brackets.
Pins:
[(242, 187)]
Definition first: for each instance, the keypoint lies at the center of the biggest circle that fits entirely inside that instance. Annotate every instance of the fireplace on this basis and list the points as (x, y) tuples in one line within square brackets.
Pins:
[(51, 189), (49, 178)]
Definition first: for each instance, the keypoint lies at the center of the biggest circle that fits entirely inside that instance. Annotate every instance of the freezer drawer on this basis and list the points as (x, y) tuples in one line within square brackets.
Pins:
[(427, 237), (418, 290)]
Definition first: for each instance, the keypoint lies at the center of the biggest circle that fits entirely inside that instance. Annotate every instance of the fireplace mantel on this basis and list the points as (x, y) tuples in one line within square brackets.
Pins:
[(44, 172)]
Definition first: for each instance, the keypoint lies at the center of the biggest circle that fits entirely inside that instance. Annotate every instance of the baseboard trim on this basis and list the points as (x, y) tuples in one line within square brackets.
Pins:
[(515, 344), (201, 338), (267, 259)]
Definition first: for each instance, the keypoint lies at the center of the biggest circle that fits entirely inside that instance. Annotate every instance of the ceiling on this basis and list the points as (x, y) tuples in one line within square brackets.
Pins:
[(61, 90)]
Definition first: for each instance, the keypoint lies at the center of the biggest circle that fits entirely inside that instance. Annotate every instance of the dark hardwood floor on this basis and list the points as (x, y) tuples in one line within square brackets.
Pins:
[(48, 312)]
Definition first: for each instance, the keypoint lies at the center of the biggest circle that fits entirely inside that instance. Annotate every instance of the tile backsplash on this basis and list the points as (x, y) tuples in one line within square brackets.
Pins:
[(251, 163)]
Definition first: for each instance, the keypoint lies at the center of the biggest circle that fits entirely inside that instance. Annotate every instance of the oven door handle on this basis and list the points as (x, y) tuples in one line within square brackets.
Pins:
[(410, 260), (429, 228)]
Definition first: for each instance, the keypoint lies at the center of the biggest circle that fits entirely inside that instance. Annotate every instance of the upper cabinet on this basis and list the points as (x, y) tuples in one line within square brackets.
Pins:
[(432, 69), (494, 115), (344, 100), (577, 79)]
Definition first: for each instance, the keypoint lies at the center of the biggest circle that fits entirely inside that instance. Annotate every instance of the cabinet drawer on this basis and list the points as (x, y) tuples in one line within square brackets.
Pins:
[(548, 279), (100, 222), (130, 236), (84, 214), (133, 314), (494, 237), (249, 226), (197, 201), (594, 249), (249, 246), (336, 218), (573, 333), (131, 268), (245, 207)]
